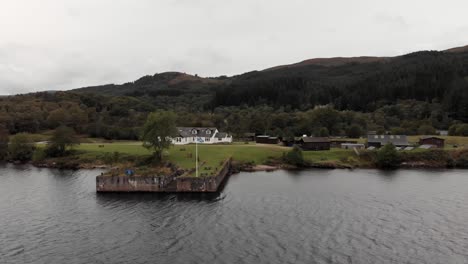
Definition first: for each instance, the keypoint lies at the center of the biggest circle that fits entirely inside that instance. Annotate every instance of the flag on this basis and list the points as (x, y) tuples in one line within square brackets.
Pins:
[(199, 140)]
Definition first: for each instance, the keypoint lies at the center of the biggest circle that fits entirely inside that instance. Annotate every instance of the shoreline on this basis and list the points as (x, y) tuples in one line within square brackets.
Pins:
[(436, 159), (238, 168)]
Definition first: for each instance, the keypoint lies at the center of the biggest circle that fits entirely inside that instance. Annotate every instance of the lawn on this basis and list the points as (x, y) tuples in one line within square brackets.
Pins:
[(210, 156)]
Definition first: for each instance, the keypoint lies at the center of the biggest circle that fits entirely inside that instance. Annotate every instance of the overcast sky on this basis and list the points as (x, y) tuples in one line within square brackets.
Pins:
[(65, 44)]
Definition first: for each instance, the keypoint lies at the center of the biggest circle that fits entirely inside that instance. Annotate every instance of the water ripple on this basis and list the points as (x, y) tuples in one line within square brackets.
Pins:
[(361, 216)]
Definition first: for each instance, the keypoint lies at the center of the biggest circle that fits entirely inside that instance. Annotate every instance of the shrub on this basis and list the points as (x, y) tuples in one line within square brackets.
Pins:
[(294, 157), (4, 138), (462, 160), (39, 155), (387, 157), (459, 130)]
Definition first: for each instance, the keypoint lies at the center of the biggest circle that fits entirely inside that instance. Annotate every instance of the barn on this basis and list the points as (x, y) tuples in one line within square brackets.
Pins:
[(433, 141), (315, 143)]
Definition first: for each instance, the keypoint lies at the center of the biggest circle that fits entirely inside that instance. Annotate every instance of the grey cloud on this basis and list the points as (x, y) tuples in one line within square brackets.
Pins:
[(392, 20), (64, 44)]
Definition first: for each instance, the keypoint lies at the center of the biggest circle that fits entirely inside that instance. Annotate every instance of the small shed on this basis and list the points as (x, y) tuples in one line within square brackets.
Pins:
[(432, 140), (315, 143), (264, 139), (337, 143)]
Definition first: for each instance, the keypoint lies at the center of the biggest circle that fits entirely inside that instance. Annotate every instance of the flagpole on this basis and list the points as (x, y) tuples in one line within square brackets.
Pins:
[(196, 157)]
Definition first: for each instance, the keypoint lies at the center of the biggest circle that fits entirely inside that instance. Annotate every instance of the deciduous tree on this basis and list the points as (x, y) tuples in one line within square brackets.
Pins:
[(157, 132), (21, 147)]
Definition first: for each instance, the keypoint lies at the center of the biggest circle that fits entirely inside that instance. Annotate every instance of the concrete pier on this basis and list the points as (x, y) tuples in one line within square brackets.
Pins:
[(169, 183)]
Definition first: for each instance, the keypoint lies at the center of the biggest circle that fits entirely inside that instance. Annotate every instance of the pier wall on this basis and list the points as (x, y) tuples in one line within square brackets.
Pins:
[(170, 183)]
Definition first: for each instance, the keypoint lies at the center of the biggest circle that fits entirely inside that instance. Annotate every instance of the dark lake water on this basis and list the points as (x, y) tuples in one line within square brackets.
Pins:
[(317, 216)]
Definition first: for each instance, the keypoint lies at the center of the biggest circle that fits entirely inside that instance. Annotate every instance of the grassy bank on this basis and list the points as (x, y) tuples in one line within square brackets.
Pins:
[(211, 156), (131, 154)]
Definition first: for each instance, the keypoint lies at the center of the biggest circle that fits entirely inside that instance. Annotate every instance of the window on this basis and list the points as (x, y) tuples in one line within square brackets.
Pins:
[(207, 139), (194, 131), (376, 136), (208, 131)]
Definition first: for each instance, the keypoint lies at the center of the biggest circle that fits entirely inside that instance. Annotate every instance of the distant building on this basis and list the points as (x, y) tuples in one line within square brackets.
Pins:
[(249, 136), (290, 141), (378, 141), (442, 132), (337, 143), (352, 146), (432, 140), (315, 143), (265, 139), (206, 135)]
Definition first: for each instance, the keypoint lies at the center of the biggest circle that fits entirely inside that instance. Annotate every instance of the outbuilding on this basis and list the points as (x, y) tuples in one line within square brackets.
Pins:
[(315, 143), (432, 140), (378, 141)]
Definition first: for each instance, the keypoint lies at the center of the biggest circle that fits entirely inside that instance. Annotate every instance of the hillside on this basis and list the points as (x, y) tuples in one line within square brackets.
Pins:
[(458, 49), (166, 90), (329, 62), (358, 83), (360, 86)]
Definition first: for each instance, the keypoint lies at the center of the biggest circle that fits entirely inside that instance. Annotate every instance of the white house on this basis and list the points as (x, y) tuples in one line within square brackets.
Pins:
[(206, 135)]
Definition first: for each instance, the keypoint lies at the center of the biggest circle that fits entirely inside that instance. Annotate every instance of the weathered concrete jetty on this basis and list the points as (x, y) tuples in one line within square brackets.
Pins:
[(168, 184)]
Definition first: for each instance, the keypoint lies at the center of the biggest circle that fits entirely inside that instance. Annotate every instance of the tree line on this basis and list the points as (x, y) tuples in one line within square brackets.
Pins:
[(124, 117)]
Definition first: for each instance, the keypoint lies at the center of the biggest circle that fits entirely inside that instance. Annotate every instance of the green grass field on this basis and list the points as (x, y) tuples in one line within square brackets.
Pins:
[(212, 156)]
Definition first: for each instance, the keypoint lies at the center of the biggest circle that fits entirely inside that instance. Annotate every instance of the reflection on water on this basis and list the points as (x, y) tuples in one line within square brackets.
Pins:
[(316, 216), (142, 197)]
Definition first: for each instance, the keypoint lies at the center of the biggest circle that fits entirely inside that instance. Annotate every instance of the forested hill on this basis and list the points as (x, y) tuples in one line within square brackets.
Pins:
[(423, 76), (411, 94), (360, 84), (165, 90)]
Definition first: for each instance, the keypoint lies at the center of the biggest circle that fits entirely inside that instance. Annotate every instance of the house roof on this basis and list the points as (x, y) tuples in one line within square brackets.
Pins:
[(315, 139), (201, 131), (398, 140), (352, 144), (428, 137)]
